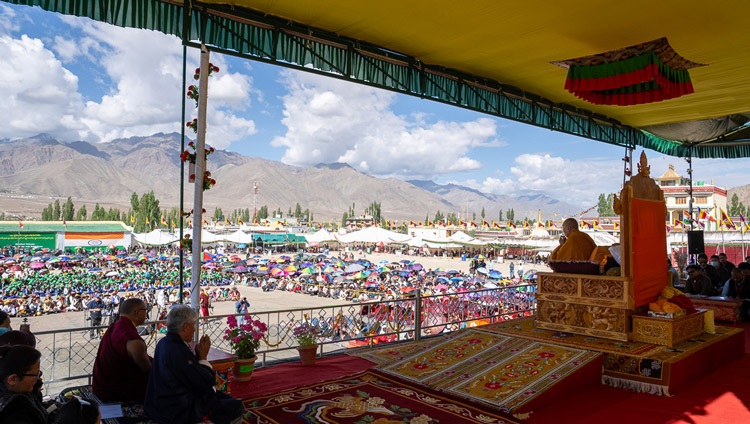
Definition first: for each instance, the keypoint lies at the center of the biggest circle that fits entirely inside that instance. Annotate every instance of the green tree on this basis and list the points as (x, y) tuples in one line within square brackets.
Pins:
[(482, 214), (604, 206), (57, 213), (374, 210), (500, 215), (439, 217), (68, 210), (511, 215), (736, 207), (47, 213), (99, 214), (218, 215), (81, 214), (262, 212), (344, 217)]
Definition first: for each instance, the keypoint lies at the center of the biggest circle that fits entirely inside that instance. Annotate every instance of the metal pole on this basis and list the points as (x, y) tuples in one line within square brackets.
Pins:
[(182, 177)]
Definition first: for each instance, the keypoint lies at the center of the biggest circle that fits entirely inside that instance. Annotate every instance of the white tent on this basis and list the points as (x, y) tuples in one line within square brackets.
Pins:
[(320, 236), (465, 239), (239, 237), (373, 235), (156, 238), (442, 243)]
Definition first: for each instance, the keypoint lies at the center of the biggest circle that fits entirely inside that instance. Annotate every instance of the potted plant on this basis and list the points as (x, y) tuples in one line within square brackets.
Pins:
[(244, 339), (306, 336)]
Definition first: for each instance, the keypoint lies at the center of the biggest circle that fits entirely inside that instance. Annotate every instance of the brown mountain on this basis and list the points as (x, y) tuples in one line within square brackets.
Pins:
[(35, 171)]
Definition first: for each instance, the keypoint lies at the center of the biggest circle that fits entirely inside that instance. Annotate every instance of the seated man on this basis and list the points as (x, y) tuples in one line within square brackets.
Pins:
[(122, 364), (575, 245), (739, 287), (698, 282), (181, 384)]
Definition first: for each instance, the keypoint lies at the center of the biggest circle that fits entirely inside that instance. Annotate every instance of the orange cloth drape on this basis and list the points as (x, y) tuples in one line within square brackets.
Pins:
[(649, 244)]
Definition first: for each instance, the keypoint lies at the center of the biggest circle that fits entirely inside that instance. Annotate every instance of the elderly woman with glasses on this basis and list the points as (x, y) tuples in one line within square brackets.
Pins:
[(20, 370)]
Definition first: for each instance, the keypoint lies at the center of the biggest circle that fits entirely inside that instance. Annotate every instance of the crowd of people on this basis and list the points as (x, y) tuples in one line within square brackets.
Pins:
[(716, 276)]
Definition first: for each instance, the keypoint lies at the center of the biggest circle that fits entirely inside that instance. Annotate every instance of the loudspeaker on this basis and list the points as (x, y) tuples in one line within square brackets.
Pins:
[(695, 242)]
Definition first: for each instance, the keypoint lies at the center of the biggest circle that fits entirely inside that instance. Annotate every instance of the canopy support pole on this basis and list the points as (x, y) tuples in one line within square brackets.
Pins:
[(200, 167)]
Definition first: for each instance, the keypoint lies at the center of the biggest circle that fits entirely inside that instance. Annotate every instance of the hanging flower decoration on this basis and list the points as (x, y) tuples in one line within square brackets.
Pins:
[(192, 92), (192, 211), (208, 182), (189, 156)]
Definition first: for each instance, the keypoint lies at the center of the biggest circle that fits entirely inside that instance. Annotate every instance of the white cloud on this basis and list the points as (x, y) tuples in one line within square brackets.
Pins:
[(9, 20), (142, 79), (578, 182), (329, 120), (39, 94)]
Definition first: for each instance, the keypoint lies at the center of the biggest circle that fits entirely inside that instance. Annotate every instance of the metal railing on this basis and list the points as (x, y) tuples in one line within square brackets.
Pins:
[(68, 355)]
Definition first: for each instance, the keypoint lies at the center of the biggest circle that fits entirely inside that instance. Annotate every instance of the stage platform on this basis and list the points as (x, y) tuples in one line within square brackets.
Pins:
[(642, 367), (512, 368)]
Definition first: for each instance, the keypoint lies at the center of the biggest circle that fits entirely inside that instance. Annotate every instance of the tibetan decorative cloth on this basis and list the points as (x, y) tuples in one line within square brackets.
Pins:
[(643, 73), (368, 397), (504, 372)]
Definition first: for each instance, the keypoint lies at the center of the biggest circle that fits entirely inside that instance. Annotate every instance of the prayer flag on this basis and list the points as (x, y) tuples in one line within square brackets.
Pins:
[(617, 226), (745, 228), (147, 221), (702, 214), (132, 219), (726, 219), (163, 221), (742, 218), (20, 223)]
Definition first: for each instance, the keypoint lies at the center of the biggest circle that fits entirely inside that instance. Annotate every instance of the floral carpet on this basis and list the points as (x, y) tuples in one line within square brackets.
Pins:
[(368, 397), (525, 328), (497, 370)]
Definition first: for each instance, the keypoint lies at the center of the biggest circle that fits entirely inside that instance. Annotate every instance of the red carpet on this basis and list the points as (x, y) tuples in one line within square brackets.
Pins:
[(723, 396), (720, 397), (291, 375)]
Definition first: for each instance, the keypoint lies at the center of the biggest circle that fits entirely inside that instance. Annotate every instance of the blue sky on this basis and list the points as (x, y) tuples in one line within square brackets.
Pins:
[(82, 80)]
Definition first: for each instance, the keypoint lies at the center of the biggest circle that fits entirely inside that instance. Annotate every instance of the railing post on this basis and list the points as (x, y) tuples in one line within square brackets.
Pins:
[(418, 315)]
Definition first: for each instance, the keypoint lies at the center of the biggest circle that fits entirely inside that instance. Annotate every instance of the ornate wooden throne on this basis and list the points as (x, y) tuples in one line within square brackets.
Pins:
[(601, 305)]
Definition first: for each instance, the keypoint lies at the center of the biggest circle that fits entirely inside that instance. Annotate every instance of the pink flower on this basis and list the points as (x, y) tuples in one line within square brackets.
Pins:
[(232, 321)]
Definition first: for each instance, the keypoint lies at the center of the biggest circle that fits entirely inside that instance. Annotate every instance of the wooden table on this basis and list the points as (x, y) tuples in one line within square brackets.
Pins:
[(725, 308), (222, 362)]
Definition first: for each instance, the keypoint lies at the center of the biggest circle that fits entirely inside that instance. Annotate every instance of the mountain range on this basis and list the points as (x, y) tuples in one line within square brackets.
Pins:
[(34, 171)]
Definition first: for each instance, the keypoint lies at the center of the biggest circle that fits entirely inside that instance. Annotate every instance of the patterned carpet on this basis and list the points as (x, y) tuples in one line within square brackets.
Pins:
[(525, 328), (493, 369), (368, 397), (637, 366)]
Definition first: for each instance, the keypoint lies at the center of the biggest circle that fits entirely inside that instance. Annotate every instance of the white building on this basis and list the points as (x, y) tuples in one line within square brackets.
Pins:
[(676, 189)]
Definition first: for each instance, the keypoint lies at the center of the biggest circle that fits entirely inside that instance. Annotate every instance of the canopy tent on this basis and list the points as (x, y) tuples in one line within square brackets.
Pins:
[(156, 238), (373, 235), (240, 237), (504, 59), (320, 236), (440, 243)]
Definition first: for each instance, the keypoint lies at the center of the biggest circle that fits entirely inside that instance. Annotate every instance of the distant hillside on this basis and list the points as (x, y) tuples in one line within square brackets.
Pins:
[(34, 171)]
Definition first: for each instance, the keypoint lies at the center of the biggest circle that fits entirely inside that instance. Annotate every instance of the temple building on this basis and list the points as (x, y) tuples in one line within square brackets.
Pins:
[(707, 197)]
